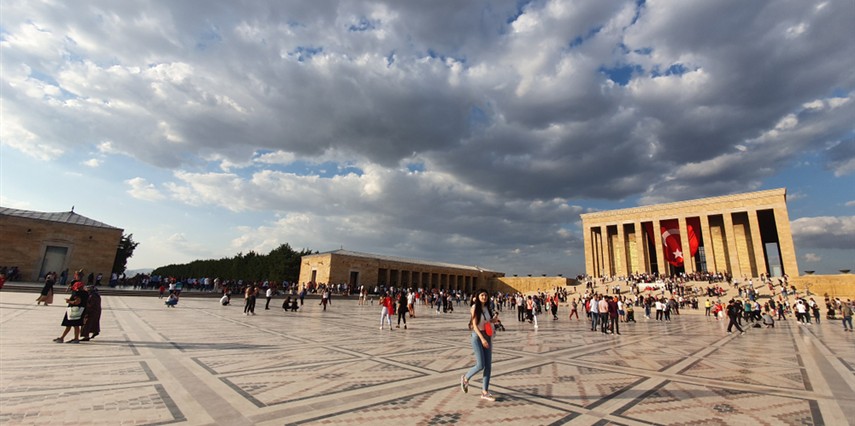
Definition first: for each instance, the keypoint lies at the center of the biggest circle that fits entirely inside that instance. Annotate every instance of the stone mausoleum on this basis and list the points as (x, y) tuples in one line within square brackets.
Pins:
[(747, 235), (40, 242)]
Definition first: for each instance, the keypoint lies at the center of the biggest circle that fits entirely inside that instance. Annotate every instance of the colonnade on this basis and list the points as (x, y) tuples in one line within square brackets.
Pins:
[(427, 280), (746, 235)]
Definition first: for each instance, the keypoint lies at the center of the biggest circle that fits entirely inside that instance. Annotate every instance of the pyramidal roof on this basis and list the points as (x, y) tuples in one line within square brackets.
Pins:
[(62, 217)]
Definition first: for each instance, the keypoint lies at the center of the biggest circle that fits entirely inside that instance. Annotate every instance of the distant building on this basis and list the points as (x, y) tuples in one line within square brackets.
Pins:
[(39, 242), (343, 266), (744, 234)]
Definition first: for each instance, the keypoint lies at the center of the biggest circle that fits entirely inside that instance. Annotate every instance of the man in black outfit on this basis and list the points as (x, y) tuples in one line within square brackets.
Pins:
[(733, 313)]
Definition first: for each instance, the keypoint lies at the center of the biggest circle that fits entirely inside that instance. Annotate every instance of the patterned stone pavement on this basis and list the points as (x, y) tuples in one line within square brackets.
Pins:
[(202, 363)]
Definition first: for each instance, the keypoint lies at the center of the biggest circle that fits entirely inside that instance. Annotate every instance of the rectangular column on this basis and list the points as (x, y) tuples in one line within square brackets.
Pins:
[(729, 237), (661, 263), (709, 245), (688, 260), (621, 263), (757, 243), (642, 265), (589, 251), (785, 242), (607, 251)]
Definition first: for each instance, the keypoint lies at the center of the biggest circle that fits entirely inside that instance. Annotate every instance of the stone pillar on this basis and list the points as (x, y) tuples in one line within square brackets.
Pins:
[(621, 261), (757, 243), (607, 251), (709, 245), (785, 242), (642, 265), (589, 250), (662, 264), (730, 237), (688, 260)]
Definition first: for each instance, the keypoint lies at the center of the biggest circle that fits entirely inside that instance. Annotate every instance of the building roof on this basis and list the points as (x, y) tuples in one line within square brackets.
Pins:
[(778, 192), (400, 259), (62, 217)]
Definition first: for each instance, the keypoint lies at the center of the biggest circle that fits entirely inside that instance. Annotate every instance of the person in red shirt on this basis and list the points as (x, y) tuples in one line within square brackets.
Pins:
[(385, 310)]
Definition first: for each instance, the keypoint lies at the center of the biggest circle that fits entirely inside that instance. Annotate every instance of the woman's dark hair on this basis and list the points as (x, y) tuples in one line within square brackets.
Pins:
[(479, 308)]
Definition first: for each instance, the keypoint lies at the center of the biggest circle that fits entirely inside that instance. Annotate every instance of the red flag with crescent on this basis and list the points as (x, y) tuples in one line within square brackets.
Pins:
[(671, 244)]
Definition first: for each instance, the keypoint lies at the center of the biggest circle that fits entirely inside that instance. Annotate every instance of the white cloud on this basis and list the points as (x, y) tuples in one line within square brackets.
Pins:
[(143, 190), (15, 204), (505, 120), (812, 258), (278, 157), (825, 232), (92, 162)]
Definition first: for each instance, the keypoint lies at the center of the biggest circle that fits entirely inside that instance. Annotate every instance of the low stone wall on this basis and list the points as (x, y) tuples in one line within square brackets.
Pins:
[(840, 285), (529, 284)]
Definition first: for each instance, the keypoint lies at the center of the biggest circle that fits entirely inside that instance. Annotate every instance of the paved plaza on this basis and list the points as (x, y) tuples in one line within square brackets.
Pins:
[(202, 363)]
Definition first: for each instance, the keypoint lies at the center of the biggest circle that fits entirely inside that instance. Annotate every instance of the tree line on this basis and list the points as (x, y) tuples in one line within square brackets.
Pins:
[(281, 264)]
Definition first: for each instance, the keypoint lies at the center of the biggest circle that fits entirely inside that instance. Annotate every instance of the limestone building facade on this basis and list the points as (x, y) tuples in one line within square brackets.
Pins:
[(40, 242), (355, 268), (744, 234)]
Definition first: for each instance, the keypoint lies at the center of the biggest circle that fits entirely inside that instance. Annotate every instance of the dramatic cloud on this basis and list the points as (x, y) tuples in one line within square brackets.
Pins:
[(825, 232), (444, 128)]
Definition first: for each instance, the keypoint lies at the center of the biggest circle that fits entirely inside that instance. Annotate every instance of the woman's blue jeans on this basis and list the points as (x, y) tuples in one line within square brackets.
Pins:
[(483, 360)]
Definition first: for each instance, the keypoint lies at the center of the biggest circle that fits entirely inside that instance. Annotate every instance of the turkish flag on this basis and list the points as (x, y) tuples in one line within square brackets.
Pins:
[(671, 243)]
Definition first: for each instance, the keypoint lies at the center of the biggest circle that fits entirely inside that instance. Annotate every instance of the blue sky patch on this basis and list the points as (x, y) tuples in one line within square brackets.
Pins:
[(364, 24), (303, 53), (621, 74), (674, 69), (583, 38), (416, 167), (327, 169)]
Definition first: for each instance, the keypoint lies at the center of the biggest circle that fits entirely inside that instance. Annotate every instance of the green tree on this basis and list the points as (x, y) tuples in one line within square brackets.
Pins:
[(282, 263), (124, 252)]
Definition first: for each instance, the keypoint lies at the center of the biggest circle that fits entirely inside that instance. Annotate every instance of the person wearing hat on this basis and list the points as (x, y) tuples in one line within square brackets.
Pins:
[(74, 312)]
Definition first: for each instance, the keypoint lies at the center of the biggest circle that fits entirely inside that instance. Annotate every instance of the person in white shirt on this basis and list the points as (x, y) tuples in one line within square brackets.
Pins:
[(268, 295), (594, 310)]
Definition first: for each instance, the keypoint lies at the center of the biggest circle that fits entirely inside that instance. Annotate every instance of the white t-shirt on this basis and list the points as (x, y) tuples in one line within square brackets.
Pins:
[(485, 318)]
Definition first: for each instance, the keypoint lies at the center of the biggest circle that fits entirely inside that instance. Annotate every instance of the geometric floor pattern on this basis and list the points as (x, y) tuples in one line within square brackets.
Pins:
[(202, 363)]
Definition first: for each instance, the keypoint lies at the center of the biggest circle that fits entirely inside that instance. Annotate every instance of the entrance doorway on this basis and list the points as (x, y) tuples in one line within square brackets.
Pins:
[(354, 279), (54, 260)]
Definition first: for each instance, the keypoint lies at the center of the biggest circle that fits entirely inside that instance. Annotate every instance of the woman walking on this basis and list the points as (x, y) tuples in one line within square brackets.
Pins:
[(92, 316), (403, 309), (481, 321), (47, 291), (574, 309), (74, 313), (249, 297), (385, 310)]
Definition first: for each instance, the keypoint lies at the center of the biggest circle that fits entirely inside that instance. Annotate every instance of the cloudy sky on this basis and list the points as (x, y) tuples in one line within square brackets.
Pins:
[(470, 132)]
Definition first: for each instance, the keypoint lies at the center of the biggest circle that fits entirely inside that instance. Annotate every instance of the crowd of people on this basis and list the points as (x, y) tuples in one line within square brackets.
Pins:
[(605, 304)]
